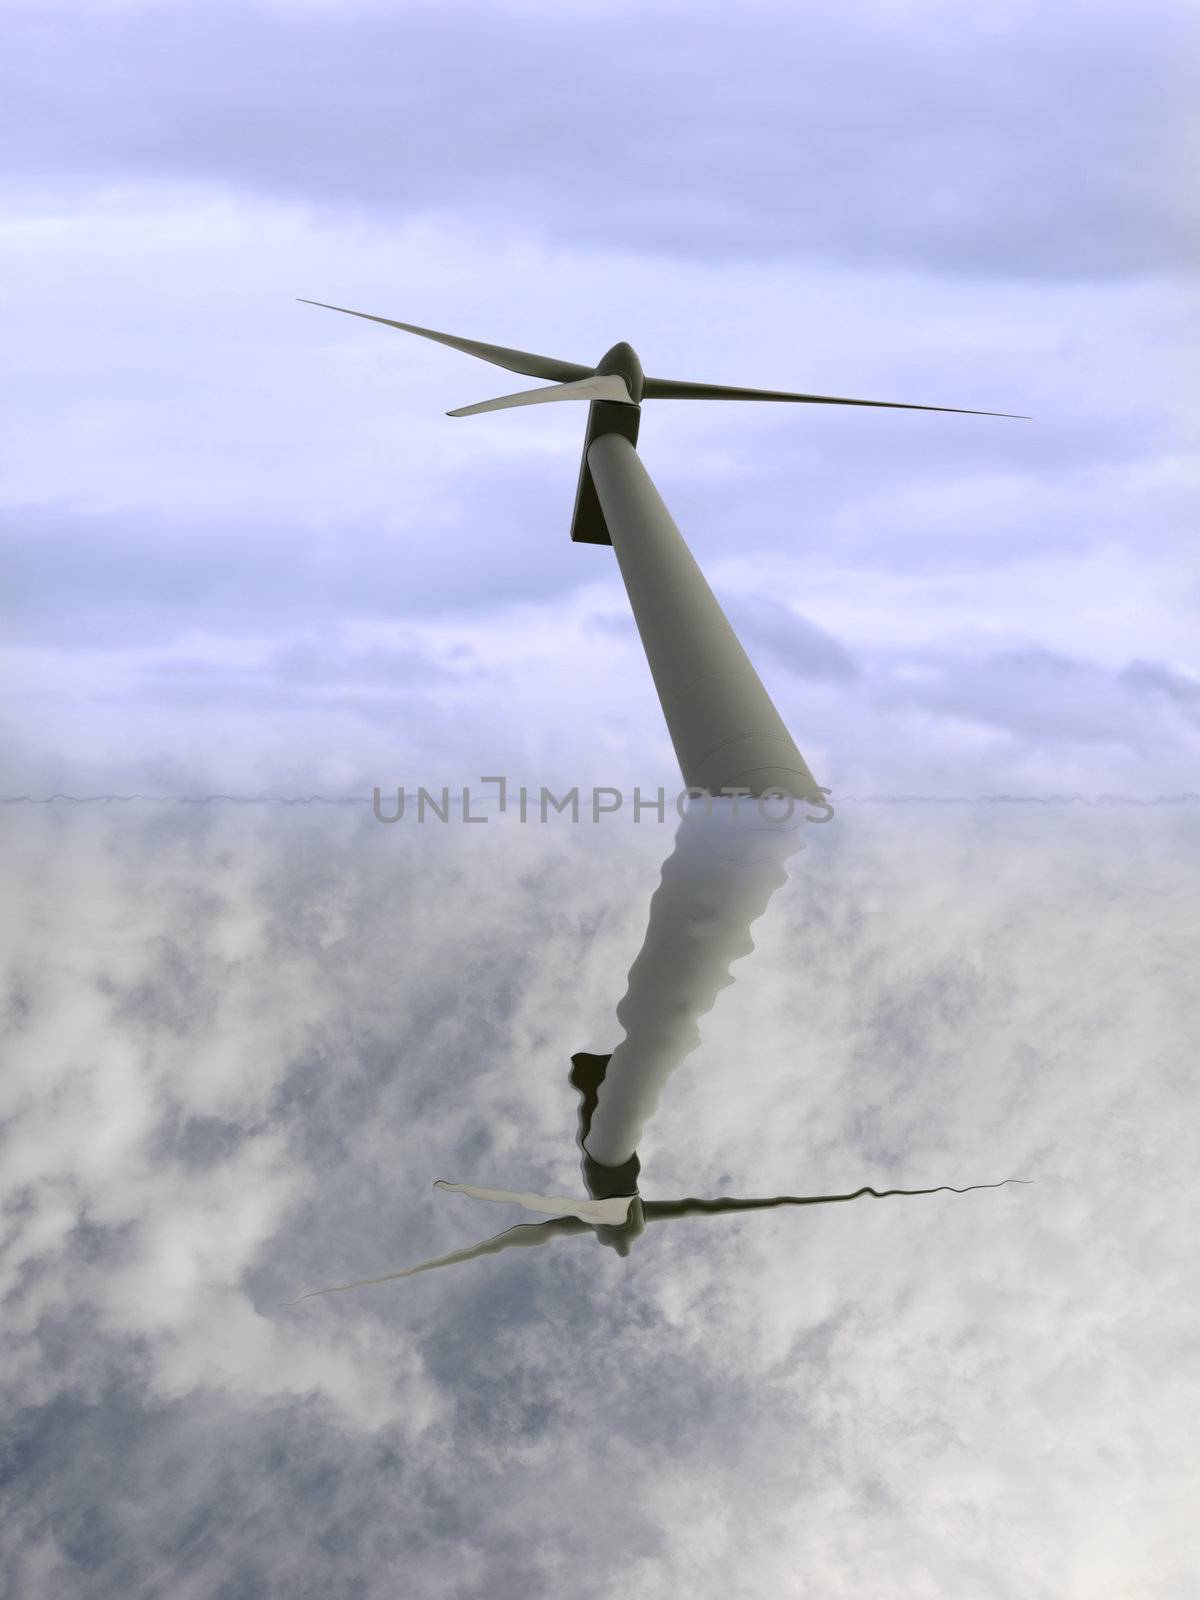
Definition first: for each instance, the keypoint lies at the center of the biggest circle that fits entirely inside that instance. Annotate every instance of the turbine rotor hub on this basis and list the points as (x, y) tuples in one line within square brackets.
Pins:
[(622, 360)]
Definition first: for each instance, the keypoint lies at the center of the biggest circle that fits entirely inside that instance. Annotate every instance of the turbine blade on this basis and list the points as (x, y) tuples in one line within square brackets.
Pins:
[(524, 1235), (672, 389), (601, 1213), (522, 361), (610, 386)]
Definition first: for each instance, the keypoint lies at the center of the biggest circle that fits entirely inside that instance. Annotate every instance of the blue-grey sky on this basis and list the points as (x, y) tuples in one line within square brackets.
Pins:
[(244, 550)]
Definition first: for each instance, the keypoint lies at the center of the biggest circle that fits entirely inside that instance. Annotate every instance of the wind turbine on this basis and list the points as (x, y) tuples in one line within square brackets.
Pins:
[(727, 734), (730, 741)]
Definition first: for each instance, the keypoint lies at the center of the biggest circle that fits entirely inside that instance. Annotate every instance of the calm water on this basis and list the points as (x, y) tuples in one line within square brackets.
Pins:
[(243, 1045)]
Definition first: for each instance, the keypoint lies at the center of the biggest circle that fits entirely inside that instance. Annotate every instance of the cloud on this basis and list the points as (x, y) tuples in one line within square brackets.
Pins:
[(205, 480), (771, 629), (247, 553), (1048, 698), (209, 483), (81, 577), (247, 1044), (906, 135), (1150, 678)]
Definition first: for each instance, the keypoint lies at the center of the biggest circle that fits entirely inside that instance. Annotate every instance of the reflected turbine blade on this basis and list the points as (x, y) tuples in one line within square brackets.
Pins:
[(663, 1210), (522, 361), (524, 1235), (596, 1213), (672, 389), (609, 386)]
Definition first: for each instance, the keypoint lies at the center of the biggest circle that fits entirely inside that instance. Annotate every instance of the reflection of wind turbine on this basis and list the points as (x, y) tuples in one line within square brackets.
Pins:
[(715, 883), (637, 1212)]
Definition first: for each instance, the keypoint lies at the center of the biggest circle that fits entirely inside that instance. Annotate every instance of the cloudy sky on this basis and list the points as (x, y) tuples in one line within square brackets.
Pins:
[(245, 552)]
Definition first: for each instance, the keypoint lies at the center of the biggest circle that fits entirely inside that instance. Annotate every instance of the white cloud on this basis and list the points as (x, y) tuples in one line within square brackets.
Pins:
[(247, 553)]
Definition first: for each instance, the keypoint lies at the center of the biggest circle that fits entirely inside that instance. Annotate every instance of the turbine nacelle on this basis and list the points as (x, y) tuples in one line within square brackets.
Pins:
[(622, 362)]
